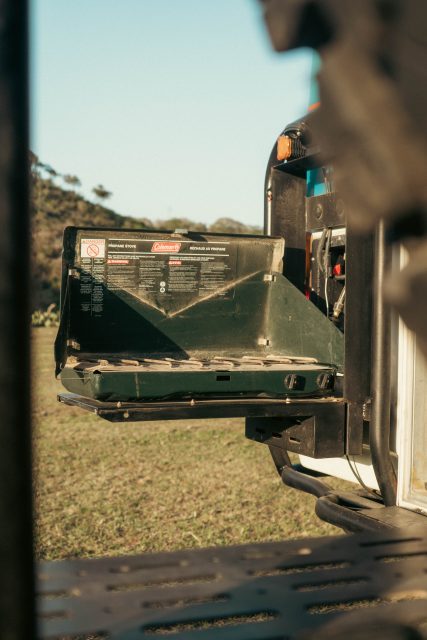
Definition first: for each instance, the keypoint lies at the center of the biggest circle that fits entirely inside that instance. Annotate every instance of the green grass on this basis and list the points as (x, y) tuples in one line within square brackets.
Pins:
[(109, 489)]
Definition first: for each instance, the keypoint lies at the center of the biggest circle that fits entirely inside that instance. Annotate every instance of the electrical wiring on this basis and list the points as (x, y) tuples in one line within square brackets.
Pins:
[(326, 266), (320, 249), (358, 477)]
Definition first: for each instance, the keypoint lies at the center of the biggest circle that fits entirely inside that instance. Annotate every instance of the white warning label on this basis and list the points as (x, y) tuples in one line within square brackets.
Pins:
[(92, 248)]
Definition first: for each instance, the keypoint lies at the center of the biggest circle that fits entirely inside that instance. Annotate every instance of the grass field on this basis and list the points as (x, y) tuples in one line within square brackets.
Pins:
[(109, 489)]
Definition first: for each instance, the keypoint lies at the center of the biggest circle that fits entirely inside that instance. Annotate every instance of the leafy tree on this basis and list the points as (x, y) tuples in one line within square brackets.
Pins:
[(101, 192), (50, 170), (71, 180)]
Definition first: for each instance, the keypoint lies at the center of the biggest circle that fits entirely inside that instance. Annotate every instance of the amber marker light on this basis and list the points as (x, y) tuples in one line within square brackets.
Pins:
[(284, 148)]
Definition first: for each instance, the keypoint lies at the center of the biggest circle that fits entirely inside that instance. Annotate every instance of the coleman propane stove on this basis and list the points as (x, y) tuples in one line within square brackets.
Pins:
[(150, 316)]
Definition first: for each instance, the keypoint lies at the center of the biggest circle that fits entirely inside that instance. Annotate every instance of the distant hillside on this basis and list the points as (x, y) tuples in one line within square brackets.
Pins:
[(55, 206)]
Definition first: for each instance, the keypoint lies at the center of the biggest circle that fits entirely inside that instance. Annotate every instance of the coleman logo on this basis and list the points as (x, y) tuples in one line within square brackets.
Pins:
[(165, 247)]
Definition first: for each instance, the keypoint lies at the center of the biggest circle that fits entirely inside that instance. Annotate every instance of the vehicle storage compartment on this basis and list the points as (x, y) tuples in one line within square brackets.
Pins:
[(148, 315)]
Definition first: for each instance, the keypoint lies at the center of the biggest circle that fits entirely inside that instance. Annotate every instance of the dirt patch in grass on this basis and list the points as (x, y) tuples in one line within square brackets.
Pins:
[(109, 489)]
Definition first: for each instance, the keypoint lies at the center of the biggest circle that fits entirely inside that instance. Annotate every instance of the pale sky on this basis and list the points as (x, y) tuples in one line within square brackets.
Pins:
[(173, 105)]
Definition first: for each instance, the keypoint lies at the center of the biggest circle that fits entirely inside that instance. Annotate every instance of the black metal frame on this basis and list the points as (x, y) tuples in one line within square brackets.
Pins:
[(192, 409), (289, 213), (312, 429), (379, 432), (358, 335), (16, 561)]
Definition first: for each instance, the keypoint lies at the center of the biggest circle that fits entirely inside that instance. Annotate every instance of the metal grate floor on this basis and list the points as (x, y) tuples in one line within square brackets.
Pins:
[(267, 591)]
